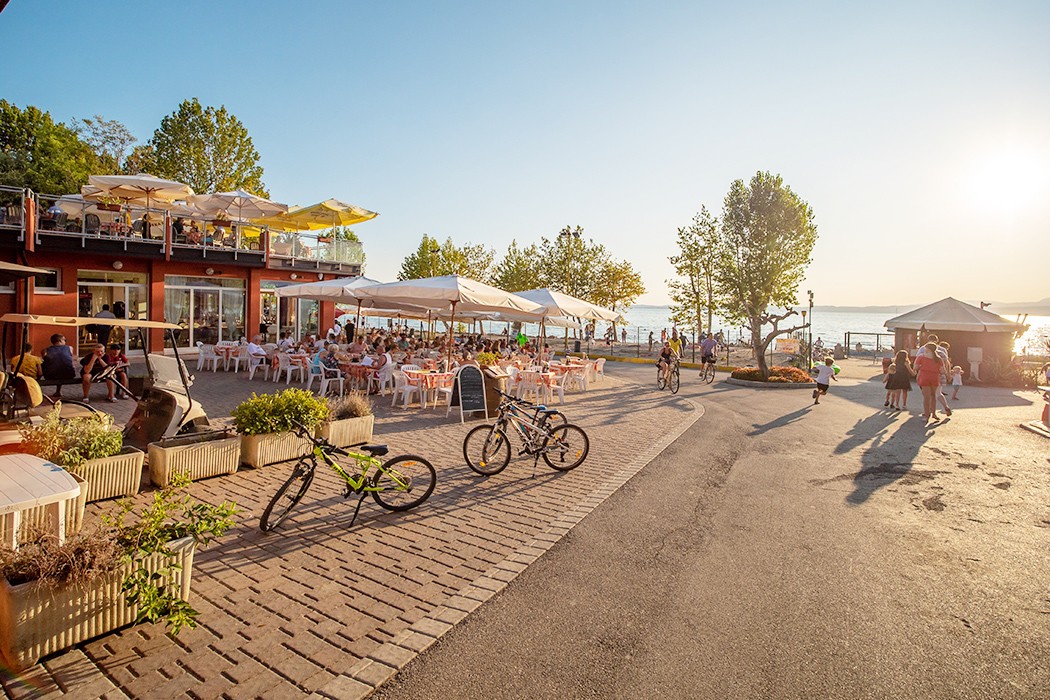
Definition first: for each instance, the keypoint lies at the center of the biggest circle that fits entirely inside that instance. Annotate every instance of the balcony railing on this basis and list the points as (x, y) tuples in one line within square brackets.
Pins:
[(313, 247), (12, 209)]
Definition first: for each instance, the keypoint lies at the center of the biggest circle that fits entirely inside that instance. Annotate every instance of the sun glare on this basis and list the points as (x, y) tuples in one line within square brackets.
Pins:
[(1009, 181)]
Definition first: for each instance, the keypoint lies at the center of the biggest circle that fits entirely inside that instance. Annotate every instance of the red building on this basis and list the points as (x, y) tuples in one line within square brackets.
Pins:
[(217, 281)]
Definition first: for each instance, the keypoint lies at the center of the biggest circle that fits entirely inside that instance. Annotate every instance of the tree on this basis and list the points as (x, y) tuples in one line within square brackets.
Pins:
[(767, 237), (41, 154), (694, 291), (519, 270), (209, 149), (433, 259), (569, 263), (617, 286), (108, 138)]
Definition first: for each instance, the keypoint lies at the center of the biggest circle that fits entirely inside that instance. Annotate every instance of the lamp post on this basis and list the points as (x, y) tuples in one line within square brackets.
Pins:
[(568, 236), (805, 329), (810, 293)]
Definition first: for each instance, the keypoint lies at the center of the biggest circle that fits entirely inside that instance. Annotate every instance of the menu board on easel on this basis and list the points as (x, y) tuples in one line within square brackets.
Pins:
[(468, 391)]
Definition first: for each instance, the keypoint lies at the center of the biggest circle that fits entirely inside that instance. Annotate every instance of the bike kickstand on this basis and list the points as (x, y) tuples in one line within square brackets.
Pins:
[(356, 510), (535, 461)]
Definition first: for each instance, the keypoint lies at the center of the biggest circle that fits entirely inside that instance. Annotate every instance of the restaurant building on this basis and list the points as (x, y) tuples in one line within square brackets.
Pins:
[(220, 285)]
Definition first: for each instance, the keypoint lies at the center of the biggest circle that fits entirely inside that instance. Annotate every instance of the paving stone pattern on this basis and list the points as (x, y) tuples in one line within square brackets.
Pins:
[(319, 608)]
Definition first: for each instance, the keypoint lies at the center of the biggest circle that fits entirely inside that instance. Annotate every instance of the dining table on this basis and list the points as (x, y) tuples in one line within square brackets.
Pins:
[(428, 381), (26, 482), (356, 372)]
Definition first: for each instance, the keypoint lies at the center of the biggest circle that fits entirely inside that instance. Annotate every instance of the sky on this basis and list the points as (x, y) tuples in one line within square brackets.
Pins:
[(917, 131)]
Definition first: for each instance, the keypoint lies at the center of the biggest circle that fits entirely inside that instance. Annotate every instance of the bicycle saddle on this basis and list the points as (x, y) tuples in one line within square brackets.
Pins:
[(375, 450)]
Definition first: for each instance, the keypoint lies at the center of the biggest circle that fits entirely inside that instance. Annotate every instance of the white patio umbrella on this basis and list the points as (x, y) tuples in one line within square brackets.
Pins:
[(341, 290), (559, 304), (240, 202), (136, 188), (452, 293)]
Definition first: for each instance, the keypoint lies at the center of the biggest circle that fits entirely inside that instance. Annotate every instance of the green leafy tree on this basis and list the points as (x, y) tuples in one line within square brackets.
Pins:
[(142, 159), (433, 259), (569, 263), (617, 286), (694, 290), (519, 270), (207, 148), (108, 138), (767, 238), (423, 262), (41, 154)]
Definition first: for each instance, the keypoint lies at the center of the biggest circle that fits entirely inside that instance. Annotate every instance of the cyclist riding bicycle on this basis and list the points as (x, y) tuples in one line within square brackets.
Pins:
[(666, 359), (707, 348), (676, 343)]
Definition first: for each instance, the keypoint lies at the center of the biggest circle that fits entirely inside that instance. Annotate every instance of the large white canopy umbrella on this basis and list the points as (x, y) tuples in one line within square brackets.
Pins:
[(342, 290), (452, 293), (136, 188), (239, 203), (558, 304)]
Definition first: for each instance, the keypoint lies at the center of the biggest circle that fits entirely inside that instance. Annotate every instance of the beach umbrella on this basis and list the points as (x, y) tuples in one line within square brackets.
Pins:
[(341, 290), (327, 214), (135, 188), (558, 304), (244, 204)]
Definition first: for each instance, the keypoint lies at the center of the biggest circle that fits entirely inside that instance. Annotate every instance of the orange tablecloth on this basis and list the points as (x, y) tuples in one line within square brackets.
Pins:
[(301, 360)]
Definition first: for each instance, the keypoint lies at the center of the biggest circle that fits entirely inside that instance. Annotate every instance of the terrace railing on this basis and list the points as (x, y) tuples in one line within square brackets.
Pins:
[(12, 209), (313, 247), (88, 221)]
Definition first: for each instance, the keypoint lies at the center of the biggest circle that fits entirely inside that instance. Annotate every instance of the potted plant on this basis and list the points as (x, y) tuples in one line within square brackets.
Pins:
[(350, 420), (486, 359), (108, 204), (267, 423), (198, 456), (54, 596), (90, 447)]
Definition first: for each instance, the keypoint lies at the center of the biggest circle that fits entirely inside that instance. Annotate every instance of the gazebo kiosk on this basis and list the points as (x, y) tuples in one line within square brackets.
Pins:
[(975, 335)]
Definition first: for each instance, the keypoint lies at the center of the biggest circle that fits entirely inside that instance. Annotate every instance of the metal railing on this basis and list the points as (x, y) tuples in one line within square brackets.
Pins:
[(314, 247), (12, 209)]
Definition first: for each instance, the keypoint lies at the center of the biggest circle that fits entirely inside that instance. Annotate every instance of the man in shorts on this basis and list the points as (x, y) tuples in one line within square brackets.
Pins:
[(707, 349), (825, 373)]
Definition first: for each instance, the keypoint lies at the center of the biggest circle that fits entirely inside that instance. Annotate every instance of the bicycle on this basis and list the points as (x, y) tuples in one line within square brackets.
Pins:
[(707, 374), (398, 484), (673, 378), (563, 446)]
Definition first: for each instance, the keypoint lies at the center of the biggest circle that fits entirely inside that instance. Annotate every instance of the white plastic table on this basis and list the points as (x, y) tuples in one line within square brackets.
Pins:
[(27, 482)]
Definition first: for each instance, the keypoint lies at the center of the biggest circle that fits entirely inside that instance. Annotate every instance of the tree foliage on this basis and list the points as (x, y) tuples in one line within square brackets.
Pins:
[(432, 259), (617, 285), (207, 148), (519, 270), (695, 291), (40, 153), (767, 238), (108, 138), (570, 263)]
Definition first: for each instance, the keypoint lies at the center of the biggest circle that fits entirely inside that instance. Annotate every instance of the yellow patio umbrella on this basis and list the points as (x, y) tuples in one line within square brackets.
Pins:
[(327, 214)]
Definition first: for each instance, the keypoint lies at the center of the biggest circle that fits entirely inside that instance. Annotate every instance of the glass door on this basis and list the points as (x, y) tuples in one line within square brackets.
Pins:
[(205, 316)]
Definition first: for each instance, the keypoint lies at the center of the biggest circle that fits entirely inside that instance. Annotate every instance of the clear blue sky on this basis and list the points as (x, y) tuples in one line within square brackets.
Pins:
[(918, 131)]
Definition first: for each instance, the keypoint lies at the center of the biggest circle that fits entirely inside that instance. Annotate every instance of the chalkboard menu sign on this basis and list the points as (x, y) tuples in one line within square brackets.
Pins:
[(468, 392)]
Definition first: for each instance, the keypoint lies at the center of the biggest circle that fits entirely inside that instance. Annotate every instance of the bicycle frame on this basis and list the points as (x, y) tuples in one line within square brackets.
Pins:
[(516, 416), (360, 483)]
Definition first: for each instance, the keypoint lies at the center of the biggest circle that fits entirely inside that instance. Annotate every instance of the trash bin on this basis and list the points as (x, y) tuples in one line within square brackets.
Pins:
[(576, 346)]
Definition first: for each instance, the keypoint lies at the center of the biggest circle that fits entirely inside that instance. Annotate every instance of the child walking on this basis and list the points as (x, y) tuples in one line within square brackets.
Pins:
[(891, 394), (825, 373), (956, 381)]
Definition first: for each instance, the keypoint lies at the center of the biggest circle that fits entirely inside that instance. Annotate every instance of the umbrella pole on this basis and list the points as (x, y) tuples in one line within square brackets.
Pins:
[(451, 325)]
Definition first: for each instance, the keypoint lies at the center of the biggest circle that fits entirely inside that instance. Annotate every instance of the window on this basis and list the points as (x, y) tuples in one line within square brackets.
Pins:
[(50, 281)]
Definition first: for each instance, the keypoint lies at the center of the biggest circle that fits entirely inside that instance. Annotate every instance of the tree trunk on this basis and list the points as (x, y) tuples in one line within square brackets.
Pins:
[(759, 347)]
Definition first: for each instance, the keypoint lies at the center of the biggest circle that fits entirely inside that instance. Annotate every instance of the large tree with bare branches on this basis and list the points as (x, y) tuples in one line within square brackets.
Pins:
[(767, 238)]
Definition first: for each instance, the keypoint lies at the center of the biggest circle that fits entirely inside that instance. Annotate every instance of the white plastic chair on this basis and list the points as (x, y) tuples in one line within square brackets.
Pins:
[(285, 364), (577, 377), (381, 378), (206, 354), (240, 356), (558, 386), (257, 361), (531, 383), (405, 387), (599, 368)]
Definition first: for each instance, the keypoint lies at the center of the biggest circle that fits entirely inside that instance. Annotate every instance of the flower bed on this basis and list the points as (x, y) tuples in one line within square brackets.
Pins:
[(777, 375)]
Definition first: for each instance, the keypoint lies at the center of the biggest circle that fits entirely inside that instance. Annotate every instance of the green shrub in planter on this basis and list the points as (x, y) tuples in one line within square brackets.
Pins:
[(73, 442), (278, 413)]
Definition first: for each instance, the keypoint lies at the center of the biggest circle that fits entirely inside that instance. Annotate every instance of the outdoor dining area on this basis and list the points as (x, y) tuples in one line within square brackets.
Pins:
[(418, 368)]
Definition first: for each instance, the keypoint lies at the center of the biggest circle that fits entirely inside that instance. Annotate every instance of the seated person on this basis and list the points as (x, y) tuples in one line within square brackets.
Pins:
[(254, 349), (358, 347), (115, 356), (92, 365), (27, 365), (58, 362), (284, 343)]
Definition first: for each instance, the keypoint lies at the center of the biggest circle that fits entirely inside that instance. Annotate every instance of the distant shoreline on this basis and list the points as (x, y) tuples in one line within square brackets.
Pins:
[(1034, 308)]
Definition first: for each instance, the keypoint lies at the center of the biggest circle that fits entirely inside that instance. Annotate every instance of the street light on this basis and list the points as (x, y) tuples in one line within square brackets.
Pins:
[(810, 293), (568, 236)]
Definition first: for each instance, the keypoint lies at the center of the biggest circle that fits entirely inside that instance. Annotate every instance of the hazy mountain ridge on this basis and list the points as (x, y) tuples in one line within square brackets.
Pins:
[(1034, 308)]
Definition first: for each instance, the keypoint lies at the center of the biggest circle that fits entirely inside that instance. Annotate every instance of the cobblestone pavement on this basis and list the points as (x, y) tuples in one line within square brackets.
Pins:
[(320, 608)]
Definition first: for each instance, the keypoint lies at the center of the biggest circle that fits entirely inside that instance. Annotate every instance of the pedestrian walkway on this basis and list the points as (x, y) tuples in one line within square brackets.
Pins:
[(320, 607)]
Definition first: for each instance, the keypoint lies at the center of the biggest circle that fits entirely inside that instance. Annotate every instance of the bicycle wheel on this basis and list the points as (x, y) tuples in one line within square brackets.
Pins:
[(661, 381), (290, 493), (406, 481), (709, 372), (566, 447), (675, 379), (487, 450)]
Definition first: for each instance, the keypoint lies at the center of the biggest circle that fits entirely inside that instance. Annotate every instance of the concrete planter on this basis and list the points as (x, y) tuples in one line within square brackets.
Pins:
[(111, 477), (348, 431), (37, 517), (37, 620), (271, 448), (772, 385), (197, 456)]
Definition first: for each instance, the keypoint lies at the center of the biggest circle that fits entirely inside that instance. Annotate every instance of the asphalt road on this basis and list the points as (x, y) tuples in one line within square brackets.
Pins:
[(783, 550)]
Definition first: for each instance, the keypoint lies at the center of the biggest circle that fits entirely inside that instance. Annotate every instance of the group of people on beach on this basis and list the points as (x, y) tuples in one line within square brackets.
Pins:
[(933, 372)]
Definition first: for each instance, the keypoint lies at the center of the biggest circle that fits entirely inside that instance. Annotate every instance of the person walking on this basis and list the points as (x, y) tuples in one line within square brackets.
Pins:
[(651, 341), (928, 368), (900, 383)]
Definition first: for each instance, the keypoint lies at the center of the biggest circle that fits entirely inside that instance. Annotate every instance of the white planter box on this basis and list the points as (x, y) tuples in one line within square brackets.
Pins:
[(271, 448), (349, 431), (37, 517), (37, 620), (199, 457), (111, 477)]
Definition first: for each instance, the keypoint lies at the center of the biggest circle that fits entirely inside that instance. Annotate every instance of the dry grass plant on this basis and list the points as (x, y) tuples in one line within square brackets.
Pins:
[(353, 405)]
